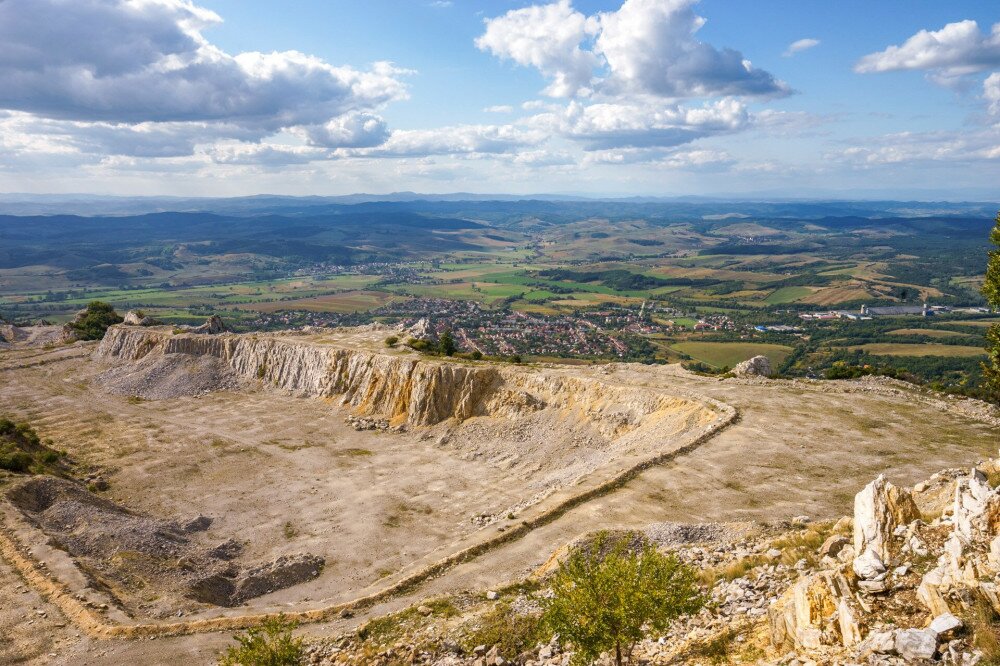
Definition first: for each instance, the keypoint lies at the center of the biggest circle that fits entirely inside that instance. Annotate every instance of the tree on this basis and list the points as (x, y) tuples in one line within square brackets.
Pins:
[(270, 644), (446, 344), (991, 290), (94, 321), (607, 592)]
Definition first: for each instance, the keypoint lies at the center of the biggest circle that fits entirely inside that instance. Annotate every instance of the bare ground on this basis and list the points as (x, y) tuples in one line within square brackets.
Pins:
[(286, 475)]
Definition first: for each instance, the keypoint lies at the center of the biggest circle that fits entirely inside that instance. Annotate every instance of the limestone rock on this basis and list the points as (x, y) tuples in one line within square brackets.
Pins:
[(414, 391), (819, 609), (833, 545), (976, 509), (916, 644), (878, 510), (931, 591), (758, 366), (869, 566), (945, 624), (421, 330), (212, 326), (137, 318), (878, 642)]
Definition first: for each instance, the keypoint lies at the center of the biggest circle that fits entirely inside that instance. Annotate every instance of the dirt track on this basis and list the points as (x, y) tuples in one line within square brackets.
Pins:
[(799, 448)]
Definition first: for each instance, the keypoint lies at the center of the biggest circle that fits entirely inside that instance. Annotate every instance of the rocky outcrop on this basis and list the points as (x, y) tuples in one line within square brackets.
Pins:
[(403, 389), (879, 510), (212, 326), (819, 608), (758, 366), (891, 604), (137, 318)]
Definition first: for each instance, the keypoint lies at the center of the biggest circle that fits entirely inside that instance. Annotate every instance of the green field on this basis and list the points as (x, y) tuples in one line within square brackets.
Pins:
[(787, 295), (722, 354), (930, 349), (985, 323), (929, 332)]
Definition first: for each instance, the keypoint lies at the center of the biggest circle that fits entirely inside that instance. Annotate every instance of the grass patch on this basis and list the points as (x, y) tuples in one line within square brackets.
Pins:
[(730, 354), (929, 332), (984, 623), (787, 295), (403, 511), (511, 632), (928, 349)]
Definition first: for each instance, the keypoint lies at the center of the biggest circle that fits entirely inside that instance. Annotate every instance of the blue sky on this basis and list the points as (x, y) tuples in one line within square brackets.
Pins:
[(627, 97)]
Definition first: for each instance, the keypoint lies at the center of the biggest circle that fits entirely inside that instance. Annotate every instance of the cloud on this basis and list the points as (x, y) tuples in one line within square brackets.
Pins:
[(691, 160), (956, 50), (352, 130), (456, 140), (924, 147), (650, 48), (800, 45), (143, 70), (991, 92), (606, 126), (499, 108), (547, 37), (270, 155), (646, 47)]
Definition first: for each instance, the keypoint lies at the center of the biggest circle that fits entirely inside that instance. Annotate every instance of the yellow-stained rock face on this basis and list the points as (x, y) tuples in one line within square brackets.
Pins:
[(818, 610), (411, 390)]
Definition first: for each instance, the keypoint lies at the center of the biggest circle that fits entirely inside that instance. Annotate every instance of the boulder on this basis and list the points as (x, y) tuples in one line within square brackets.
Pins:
[(833, 545), (931, 591), (916, 644), (758, 366), (819, 609), (976, 509), (945, 624), (878, 642), (212, 326), (878, 510), (137, 318)]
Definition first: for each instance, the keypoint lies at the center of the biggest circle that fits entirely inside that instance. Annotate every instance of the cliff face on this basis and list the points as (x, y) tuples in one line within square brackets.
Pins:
[(404, 389)]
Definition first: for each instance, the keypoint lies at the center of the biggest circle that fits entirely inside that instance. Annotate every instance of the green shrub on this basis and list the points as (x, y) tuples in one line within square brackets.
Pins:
[(607, 592), (418, 345), (270, 644), (446, 344), (18, 461), (391, 341), (95, 321)]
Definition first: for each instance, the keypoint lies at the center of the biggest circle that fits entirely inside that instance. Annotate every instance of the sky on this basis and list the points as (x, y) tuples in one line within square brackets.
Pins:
[(897, 98)]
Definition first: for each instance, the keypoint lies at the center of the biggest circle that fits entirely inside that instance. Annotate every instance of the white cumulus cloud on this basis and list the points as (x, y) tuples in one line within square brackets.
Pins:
[(991, 92), (456, 140), (646, 47), (800, 45), (606, 126), (547, 37), (117, 65), (955, 50)]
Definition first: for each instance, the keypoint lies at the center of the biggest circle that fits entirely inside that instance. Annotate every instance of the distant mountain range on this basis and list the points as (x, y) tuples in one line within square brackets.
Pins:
[(455, 203)]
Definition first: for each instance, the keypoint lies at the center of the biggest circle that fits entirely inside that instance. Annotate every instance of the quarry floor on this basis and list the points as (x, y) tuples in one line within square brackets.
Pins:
[(287, 475)]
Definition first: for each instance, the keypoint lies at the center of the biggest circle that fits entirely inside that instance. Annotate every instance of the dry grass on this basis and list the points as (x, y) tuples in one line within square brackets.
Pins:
[(985, 626), (794, 546)]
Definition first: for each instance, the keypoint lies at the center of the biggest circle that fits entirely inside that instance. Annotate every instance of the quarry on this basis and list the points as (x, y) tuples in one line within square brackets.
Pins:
[(221, 478)]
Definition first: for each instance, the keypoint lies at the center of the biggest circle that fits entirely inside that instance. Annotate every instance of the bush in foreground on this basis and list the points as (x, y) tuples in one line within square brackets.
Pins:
[(607, 592), (270, 644)]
